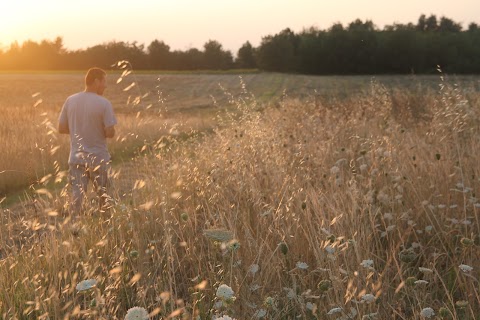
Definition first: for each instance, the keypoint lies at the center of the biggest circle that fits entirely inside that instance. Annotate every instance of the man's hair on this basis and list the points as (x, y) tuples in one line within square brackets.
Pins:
[(94, 73)]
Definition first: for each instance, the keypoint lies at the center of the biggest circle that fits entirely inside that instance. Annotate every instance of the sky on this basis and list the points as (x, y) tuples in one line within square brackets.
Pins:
[(185, 24)]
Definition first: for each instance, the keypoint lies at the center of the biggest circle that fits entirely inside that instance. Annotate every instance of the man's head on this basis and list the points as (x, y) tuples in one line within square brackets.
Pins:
[(95, 80)]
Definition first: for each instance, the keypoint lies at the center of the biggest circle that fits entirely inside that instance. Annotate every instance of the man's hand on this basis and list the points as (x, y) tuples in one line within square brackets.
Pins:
[(63, 128), (110, 132)]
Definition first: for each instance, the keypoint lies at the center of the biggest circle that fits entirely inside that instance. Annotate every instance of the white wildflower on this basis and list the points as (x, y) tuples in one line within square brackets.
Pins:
[(218, 305), (367, 263), (477, 205), (363, 167), (441, 206), (253, 268), (260, 313), (416, 245), (427, 313), (424, 203), (302, 265), (335, 310), (224, 317), (390, 228), (368, 298), (420, 282), (290, 293), (334, 170), (428, 228), (225, 292), (86, 284), (330, 249), (465, 268), (136, 313), (388, 216), (425, 270), (310, 306)]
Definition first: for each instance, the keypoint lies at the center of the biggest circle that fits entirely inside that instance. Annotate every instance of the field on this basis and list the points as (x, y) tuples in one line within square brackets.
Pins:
[(254, 196)]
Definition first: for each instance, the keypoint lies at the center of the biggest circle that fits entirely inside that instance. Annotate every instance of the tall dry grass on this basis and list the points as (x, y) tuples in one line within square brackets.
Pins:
[(361, 208)]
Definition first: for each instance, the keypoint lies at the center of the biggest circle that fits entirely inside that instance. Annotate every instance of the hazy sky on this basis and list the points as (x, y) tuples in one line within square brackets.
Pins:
[(184, 24)]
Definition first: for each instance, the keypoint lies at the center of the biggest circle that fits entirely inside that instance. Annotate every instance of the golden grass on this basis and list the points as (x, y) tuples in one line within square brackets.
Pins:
[(301, 207)]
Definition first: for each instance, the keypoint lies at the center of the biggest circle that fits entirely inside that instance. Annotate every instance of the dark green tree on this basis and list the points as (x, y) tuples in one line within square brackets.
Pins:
[(246, 57), (159, 55)]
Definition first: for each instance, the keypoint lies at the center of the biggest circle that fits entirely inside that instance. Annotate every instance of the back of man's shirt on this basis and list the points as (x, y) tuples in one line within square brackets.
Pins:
[(87, 115)]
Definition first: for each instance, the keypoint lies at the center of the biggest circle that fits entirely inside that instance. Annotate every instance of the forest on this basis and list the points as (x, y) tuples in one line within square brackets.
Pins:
[(359, 47)]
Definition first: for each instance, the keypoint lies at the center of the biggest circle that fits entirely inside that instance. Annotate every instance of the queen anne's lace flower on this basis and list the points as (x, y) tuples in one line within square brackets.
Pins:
[(368, 298), (86, 284), (225, 292), (136, 313), (302, 265), (465, 268), (427, 313), (367, 263), (224, 317), (335, 310)]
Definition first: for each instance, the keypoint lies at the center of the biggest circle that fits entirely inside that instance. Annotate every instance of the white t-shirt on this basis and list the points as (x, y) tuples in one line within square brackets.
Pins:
[(87, 114)]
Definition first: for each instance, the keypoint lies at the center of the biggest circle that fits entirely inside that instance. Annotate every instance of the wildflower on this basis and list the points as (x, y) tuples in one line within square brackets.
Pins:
[(466, 242), (420, 282), (330, 249), (363, 167), (302, 265), (310, 306), (425, 270), (136, 313), (465, 268), (233, 245), (86, 284), (368, 298), (370, 316), (269, 302), (428, 228), (224, 317), (218, 305), (253, 268), (324, 285), (334, 170), (388, 216), (218, 234), (461, 303), (260, 313), (427, 313), (407, 255), (225, 292), (335, 310), (367, 263), (290, 293)]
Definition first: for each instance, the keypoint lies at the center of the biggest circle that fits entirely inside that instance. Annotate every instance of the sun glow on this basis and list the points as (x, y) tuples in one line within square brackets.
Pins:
[(15, 19)]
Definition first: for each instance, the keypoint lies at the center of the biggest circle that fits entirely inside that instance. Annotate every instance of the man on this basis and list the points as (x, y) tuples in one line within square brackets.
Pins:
[(89, 119)]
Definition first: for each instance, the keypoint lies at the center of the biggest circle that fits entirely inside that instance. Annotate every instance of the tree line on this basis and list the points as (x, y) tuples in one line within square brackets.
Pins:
[(356, 48)]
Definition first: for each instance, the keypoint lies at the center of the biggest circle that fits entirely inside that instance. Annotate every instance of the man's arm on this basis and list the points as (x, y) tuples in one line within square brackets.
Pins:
[(110, 132), (63, 128)]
